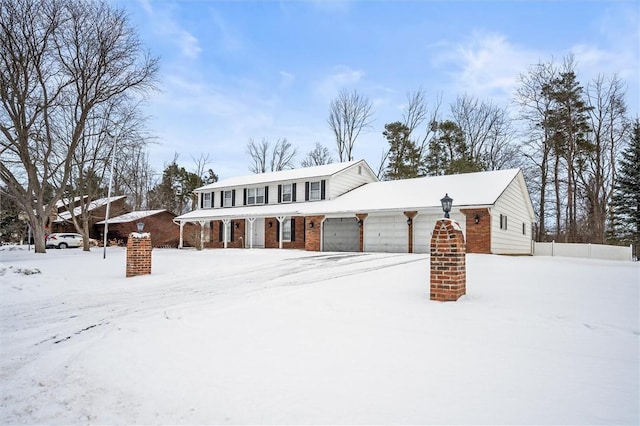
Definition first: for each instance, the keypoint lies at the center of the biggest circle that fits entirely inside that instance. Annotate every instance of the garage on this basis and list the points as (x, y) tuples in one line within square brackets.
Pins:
[(423, 228), (387, 234), (341, 234)]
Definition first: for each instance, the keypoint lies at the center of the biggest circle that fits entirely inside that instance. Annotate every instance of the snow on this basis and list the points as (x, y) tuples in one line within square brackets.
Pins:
[(132, 216), (294, 337), (92, 205)]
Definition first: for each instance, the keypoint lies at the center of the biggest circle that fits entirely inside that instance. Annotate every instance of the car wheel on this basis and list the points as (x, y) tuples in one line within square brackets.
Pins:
[(63, 245)]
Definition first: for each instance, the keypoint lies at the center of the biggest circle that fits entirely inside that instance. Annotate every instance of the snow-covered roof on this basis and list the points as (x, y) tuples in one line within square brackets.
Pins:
[(470, 189), (63, 216), (283, 175), (130, 217), (64, 202)]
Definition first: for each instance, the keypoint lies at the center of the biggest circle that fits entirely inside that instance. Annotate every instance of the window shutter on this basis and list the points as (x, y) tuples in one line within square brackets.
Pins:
[(245, 197), (293, 193), (322, 188), (231, 226), (202, 200), (212, 199), (277, 230), (306, 191), (279, 193), (221, 198), (233, 198), (220, 231), (266, 194), (293, 229)]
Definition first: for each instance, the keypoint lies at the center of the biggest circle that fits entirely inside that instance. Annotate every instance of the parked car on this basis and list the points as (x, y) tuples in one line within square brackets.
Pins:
[(63, 240)]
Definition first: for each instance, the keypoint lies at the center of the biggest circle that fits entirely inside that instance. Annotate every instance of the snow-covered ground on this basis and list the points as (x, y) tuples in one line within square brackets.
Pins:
[(293, 337)]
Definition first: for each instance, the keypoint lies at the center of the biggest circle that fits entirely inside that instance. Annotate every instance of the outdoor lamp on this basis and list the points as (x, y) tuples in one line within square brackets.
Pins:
[(409, 221), (446, 204), (236, 225), (311, 224), (140, 226), (476, 219), (359, 222)]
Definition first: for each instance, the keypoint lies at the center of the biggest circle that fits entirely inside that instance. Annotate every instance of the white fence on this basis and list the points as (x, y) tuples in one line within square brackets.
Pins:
[(591, 251)]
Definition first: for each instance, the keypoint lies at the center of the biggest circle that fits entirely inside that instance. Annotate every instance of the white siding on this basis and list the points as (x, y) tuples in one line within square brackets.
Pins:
[(423, 225), (512, 204), (348, 179), (387, 233)]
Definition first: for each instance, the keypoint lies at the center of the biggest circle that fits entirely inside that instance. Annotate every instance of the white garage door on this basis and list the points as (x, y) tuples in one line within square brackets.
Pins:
[(340, 234), (386, 234), (423, 228)]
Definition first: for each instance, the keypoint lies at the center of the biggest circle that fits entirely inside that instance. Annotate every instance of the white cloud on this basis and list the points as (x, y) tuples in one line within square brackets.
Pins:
[(166, 26), (286, 79), (341, 77)]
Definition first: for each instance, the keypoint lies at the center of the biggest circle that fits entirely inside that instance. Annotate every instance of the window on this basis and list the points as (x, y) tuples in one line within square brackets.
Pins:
[(255, 196), (225, 227), (206, 200), (503, 222), (314, 191), (287, 190), (524, 228), (286, 230), (227, 200)]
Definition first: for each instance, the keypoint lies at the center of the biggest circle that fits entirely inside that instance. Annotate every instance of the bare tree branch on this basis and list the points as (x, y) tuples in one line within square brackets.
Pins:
[(349, 114)]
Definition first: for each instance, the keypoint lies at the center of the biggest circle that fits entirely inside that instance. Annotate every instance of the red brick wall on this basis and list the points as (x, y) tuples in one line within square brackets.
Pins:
[(448, 277), (312, 240), (238, 235), (138, 256), (478, 234), (164, 233), (271, 233)]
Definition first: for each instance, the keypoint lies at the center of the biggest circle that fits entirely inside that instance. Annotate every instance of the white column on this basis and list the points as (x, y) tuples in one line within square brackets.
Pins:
[(281, 220), (202, 223), (251, 220), (181, 243), (224, 231)]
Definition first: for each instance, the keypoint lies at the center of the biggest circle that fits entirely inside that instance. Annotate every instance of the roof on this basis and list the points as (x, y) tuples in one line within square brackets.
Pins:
[(66, 215), (470, 189), (283, 175), (132, 216)]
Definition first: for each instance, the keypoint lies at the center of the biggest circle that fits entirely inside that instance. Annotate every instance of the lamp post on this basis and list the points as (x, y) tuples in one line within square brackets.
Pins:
[(446, 205)]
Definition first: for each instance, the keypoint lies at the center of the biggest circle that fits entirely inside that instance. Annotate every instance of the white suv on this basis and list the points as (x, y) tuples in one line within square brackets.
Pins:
[(64, 240)]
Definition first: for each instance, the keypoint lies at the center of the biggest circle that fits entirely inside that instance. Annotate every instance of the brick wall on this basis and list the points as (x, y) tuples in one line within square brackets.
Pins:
[(448, 277), (164, 233), (238, 226), (271, 233), (138, 254), (478, 234), (312, 240)]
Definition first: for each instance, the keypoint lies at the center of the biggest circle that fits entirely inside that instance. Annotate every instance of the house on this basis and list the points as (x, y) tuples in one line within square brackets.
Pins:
[(343, 207), (96, 210), (159, 223)]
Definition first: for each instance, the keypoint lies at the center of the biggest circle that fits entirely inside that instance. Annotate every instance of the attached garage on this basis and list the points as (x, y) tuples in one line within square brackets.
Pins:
[(387, 234), (423, 227), (340, 234)]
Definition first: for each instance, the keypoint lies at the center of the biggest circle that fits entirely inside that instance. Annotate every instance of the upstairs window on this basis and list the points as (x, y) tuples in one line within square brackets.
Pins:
[(227, 199), (206, 200), (314, 191), (255, 196), (503, 222), (287, 191)]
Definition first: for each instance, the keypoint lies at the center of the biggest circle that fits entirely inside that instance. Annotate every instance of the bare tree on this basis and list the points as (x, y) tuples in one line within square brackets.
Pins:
[(318, 156), (258, 154), (59, 61), (280, 157), (414, 116), (349, 115)]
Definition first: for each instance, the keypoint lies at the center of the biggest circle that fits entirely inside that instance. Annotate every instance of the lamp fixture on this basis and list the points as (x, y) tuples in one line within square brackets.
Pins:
[(140, 226), (236, 225), (359, 223), (409, 221), (476, 218), (311, 225), (446, 204), (270, 224)]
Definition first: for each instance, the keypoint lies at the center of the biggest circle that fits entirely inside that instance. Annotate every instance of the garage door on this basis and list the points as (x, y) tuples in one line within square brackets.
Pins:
[(423, 228), (386, 234), (340, 234)]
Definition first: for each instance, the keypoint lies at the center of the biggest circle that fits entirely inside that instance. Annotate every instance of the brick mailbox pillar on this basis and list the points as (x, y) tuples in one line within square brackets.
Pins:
[(138, 254), (448, 265)]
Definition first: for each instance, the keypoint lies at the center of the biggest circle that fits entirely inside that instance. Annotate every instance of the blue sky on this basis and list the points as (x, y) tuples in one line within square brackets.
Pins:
[(234, 70)]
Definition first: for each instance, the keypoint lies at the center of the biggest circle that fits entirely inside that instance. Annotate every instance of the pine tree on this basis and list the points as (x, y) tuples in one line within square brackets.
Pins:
[(626, 199), (448, 152), (404, 156)]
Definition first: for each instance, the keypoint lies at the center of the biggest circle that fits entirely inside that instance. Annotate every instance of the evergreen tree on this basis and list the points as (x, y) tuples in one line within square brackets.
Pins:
[(404, 156), (626, 199), (448, 152), (175, 191)]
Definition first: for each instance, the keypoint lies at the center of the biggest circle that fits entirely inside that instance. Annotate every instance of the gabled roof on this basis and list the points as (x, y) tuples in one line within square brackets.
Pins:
[(132, 216), (283, 175), (63, 216), (467, 190)]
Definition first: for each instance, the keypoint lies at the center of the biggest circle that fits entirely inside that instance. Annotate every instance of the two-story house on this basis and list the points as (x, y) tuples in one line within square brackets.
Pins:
[(343, 207)]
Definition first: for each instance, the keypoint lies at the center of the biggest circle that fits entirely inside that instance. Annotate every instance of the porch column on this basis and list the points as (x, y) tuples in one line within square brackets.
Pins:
[(410, 216), (361, 217), (202, 223), (181, 242), (281, 221), (225, 237), (251, 220)]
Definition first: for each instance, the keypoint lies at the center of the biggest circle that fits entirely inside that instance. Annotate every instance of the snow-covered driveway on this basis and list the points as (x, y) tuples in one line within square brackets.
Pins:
[(270, 336)]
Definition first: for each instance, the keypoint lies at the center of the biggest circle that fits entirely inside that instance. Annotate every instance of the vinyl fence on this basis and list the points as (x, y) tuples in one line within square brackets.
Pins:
[(591, 251)]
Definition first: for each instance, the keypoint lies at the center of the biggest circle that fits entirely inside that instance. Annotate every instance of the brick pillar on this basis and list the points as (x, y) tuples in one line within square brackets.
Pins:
[(361, 217), (448, 265), (312, 236), (138, 254)]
